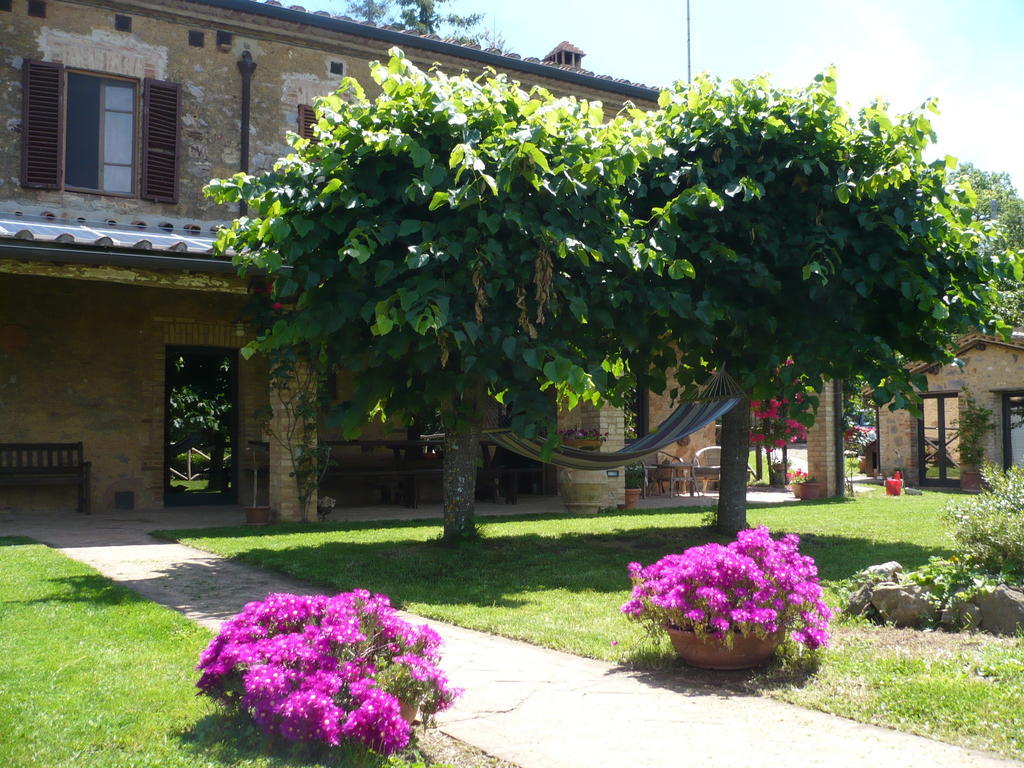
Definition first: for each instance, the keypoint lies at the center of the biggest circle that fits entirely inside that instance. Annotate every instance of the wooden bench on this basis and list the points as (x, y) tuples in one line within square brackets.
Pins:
[(46, 464)]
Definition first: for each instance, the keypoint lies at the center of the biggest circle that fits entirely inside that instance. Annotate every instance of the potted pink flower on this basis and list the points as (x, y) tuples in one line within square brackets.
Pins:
[(803, 485), (729, 607), (327, 670), (585, 438)]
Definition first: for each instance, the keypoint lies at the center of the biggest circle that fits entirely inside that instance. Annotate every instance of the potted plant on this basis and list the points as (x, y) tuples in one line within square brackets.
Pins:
[(803, 485), (636, 477), (326, 670), (588, 439), (255, 514), (729, 607), (975, 425)]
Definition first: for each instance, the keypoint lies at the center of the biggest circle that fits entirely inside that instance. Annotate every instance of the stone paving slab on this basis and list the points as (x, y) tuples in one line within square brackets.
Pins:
[(528, 705)]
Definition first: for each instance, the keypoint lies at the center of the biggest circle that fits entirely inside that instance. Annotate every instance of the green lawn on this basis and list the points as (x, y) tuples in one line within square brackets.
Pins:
[(558, 581), (93, 675)]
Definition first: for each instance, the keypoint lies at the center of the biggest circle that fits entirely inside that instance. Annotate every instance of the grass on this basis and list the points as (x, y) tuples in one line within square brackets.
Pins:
[(92, 675), (558, 581), (555, 580)]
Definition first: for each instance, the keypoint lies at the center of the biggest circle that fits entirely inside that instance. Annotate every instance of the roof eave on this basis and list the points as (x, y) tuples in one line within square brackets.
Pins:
[(498, 61)]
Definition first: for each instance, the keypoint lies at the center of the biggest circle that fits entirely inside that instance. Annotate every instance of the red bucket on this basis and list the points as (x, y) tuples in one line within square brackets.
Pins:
[(894, 486)]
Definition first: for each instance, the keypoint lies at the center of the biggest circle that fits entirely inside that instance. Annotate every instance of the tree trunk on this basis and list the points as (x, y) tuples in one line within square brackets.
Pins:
[(732, 489), (461, 451)]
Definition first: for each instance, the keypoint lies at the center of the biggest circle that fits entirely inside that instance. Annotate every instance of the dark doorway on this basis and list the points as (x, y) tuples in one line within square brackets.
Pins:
[(200, 426), (938, 439), (1013, 429)]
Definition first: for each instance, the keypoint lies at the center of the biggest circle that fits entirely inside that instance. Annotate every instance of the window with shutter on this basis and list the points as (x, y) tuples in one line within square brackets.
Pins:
[(99, 154), (160, 150), (307, 117), (41, 124)]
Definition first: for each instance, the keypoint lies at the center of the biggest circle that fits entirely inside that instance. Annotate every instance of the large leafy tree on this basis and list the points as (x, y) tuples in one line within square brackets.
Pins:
[(450, 244), (807, 233), (425, 16), (1000, 203)]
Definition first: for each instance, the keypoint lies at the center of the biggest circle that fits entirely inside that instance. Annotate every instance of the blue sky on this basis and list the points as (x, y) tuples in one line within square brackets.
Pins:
[(967, 53)]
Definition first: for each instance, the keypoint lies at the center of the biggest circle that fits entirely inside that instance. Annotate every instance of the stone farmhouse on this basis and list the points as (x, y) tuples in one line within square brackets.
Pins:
[(114, 115), (927, 449)]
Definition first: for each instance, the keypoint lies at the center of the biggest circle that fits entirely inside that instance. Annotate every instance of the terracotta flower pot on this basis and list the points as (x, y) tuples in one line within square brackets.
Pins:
[(632, 498), (807, 490), (970, 480), (746, 652), (408, 711), (584, 444), (257, 515)]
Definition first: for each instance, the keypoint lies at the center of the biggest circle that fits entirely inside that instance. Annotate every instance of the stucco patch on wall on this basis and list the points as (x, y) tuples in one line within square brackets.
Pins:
[(104, 51), (303, 88)]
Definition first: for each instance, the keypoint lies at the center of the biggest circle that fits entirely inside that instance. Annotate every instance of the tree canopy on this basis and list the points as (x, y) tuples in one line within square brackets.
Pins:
[(456, 242), (449, 244), (1000, 203), (424, 16), (811, 235)]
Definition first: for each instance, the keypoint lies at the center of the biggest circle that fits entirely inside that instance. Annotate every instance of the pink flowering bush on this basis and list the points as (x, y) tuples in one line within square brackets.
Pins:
[(756, 585), (327, 669)]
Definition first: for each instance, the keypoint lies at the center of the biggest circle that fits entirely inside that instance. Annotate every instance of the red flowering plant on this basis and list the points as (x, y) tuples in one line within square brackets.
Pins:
[(781, 419), (799, 477)]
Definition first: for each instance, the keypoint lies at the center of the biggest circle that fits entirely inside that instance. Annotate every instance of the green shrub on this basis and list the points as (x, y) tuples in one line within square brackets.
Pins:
[(989, 528)]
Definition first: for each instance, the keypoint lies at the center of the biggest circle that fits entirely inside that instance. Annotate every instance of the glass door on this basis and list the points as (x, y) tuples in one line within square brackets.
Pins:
[(1013, 429), (938, 440)]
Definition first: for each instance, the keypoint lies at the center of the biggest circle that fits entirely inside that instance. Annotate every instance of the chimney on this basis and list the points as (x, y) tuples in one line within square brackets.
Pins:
[(565, 54)]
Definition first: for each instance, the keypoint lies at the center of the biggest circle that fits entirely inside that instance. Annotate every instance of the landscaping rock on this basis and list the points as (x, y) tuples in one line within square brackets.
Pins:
[(960, 614), (1002, 610), (905, 605), (884, 571), (859, 603)]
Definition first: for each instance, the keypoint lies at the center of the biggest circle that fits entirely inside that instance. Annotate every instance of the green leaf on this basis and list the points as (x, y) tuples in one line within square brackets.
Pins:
[(331, 186), (408, 226), (680, 269), (843, 195)]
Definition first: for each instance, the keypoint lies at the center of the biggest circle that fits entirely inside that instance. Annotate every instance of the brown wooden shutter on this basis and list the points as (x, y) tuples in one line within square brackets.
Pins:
[(42, 117), (161, 116), (307, 117)]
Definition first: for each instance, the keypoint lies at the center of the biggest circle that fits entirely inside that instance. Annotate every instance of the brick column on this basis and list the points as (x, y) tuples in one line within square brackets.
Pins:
[(284, 429), (824, 462), (608, 419)]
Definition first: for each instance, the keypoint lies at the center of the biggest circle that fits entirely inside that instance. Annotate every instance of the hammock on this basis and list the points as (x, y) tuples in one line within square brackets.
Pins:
[(717, 397)]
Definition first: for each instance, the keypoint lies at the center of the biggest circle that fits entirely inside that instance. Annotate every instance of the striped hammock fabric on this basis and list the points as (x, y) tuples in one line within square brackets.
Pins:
[(719, 396)]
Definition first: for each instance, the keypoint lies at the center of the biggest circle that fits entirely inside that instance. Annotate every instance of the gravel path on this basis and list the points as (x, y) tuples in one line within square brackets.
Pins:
[(530, 706)]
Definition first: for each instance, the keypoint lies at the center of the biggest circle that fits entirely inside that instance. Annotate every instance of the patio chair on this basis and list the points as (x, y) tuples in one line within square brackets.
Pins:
[(707, 466)]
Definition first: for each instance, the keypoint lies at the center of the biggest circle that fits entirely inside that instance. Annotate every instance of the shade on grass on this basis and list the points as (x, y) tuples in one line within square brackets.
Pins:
[(92, 675), (558, 580)]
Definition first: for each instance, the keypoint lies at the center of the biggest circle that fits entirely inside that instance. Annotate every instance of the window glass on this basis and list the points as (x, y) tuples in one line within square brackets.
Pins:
[(82, 167), (100, 145), (1015, 425)]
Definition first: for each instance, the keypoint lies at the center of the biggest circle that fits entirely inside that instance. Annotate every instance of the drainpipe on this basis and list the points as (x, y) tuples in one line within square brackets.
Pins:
[(246, 66)]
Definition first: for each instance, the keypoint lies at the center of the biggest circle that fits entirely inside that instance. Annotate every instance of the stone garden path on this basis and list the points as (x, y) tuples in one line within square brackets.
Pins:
[(527, 705)]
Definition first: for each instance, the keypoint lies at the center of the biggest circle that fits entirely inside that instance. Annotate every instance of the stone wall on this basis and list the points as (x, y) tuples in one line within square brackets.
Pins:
[(293, 66), (608, 419), (84, 361), (987, 371)]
